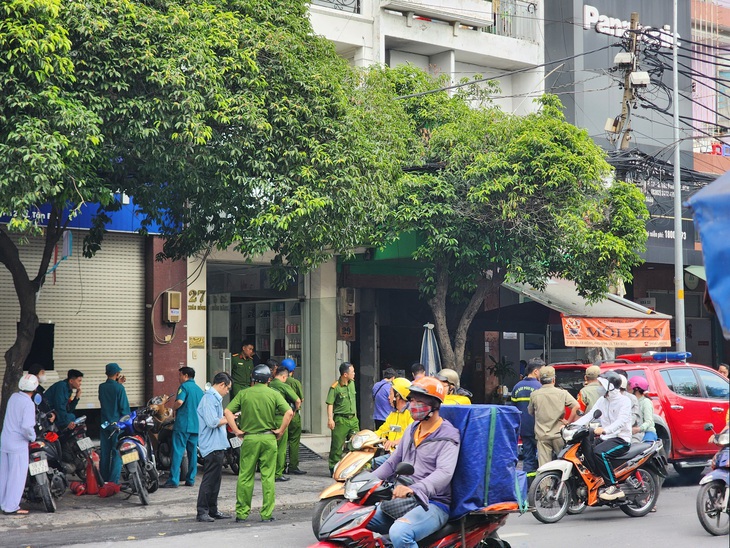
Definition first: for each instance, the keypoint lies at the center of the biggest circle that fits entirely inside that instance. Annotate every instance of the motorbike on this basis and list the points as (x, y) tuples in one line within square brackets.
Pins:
[(232, 454), (566, 485), (161, 434), (363, 447), (46, 480), (78, 452), (347, 525), (139, 471), (712, 499)]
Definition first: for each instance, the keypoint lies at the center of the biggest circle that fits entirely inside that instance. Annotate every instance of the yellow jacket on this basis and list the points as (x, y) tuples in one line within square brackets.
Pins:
[(456, 399), (402, 419)]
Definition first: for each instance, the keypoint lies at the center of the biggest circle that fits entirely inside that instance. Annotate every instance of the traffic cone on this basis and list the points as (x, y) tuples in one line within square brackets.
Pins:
[(92, 486)]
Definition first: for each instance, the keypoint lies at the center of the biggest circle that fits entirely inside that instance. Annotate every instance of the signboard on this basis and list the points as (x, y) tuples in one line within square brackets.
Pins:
[(345, 328), (616, 332)]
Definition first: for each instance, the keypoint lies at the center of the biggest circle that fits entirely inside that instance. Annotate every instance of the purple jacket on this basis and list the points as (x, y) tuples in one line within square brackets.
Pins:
[(381, 393), (434, 461)]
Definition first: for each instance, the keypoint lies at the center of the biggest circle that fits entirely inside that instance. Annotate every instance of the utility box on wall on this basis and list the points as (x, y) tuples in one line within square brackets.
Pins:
[(347, 301), (171, 301)]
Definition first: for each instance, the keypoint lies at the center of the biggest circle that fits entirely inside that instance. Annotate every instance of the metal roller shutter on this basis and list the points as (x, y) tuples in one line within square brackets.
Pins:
[(97, 306)]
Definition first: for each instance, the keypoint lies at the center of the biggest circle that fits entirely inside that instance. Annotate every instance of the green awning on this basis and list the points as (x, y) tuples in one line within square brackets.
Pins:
[(698, 271)]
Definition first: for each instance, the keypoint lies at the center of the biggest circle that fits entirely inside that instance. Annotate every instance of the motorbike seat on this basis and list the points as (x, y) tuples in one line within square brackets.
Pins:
[(634, 450), (452, 526)]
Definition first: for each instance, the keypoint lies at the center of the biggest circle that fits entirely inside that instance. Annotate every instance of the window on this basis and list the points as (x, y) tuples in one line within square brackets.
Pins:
[(638, 373), (682, 382), (570, 379), (716, 385)]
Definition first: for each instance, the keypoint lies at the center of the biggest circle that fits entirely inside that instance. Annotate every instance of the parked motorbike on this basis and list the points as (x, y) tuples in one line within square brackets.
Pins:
[(231, 456), (363, 447), (347, 525), (566, 485), (712, 499), (78, 451), (139, 471), (161, 434)]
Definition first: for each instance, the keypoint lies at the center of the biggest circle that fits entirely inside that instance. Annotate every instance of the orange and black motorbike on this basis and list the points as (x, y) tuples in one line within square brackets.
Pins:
[(566, 486), (362, 447)]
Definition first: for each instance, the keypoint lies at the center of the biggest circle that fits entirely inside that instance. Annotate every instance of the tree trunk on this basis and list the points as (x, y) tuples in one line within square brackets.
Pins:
[(437, 303), (475, 303), (26, 291)]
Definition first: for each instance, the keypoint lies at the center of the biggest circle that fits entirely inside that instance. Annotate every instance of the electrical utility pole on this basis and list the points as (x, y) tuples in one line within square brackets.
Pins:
[(679, 322), (628, 61)]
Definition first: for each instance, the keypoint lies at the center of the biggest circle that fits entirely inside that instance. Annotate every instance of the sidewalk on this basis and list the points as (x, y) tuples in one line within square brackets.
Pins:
[(88, 510)]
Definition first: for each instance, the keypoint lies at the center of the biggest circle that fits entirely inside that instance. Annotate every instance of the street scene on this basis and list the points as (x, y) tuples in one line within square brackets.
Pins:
[(408, 273)]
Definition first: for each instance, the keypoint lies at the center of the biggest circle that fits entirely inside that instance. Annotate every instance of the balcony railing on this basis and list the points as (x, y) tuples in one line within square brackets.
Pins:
[(347, 6), (516, 19)]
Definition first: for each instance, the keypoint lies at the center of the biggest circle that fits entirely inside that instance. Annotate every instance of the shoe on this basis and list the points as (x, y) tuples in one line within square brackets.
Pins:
[(298, 472), (205, 518), (188, 484), (168, 485), (268, 520), (220, 515), (241, 520), (282, 478), (613, 492), (332, 472)]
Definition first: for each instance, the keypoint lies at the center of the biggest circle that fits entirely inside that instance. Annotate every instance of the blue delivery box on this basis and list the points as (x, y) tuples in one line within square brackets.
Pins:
[(486, 471)]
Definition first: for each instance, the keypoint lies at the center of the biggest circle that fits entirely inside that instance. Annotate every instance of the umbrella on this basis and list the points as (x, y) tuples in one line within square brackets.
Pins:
[(711, 209), (430, 357)]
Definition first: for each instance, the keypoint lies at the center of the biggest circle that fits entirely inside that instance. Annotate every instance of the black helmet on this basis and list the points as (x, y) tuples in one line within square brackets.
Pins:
[(613, 380), (261, 373)]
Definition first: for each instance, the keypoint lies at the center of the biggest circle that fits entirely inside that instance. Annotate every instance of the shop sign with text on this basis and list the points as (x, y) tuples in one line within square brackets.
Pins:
[(616, 332)]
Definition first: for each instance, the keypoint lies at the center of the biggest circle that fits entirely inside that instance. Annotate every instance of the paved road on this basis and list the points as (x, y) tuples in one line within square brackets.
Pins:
[(673, 525)]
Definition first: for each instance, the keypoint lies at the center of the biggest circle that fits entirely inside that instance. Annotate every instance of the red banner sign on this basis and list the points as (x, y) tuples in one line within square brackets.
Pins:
[(616, 332)]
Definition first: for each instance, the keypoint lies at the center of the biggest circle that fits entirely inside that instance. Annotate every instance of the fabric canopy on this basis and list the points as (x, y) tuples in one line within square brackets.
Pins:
[(711, 210)]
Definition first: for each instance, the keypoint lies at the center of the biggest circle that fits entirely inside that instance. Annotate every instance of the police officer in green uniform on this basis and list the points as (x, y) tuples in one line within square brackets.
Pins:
[(185, 429), (295, 426), (242, 365), (278, 383), (114, 405), (260, 428), (341, 412)]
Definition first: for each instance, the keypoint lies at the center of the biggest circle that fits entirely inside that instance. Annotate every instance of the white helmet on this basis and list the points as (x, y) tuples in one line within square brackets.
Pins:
[(28, 383)]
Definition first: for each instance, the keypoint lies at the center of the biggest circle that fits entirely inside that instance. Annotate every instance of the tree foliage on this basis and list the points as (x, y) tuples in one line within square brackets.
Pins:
[(521, 197), (229, 122)]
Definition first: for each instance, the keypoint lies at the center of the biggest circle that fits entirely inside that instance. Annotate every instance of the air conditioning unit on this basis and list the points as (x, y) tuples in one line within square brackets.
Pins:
[(347, 301)]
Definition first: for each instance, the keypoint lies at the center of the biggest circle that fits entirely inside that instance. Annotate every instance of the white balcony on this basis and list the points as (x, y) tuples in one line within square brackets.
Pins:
[(474, 13)]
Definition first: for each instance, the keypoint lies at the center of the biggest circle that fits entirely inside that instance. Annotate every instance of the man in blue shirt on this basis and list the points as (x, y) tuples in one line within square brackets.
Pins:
[(521, 399), (213, 443), (185, 429), (61, 398), (114, 405), (381, 399)]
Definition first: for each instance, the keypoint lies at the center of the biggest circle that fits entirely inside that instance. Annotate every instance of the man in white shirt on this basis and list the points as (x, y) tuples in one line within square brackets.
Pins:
[(613, 436)]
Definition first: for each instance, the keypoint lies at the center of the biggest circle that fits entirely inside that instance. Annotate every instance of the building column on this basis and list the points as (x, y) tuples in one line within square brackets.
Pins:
[(165, 346)]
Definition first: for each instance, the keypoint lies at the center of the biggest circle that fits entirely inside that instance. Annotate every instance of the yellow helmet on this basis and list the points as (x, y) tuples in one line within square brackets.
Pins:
[(402, 387)]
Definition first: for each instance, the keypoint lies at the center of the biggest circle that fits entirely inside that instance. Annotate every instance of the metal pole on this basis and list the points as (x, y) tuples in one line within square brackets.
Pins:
[(679, 322)]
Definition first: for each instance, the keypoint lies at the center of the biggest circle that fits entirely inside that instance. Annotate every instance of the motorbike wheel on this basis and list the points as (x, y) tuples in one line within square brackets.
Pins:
[(641, 505), (549, 508), (235, 460), (153, 478), (137, 485), (709, 508), (48, 503), (576, 506), (322, 511), (164, 453)]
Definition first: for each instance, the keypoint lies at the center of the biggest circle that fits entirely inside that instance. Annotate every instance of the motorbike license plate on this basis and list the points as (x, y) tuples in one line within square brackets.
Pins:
[(235, 442), (85, 443), (130, 457), (38, 467)]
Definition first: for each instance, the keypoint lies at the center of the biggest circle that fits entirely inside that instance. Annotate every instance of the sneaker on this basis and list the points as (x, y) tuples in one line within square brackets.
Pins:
[(268, 520), (282, 478), (297, 472), (205, 518), (241, 520), (189, 484), (220, 515), (168, 485), (613, 492)]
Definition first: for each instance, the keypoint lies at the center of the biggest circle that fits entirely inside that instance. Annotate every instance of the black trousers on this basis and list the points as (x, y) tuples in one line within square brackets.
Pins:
[(211, 484), (597, 453)]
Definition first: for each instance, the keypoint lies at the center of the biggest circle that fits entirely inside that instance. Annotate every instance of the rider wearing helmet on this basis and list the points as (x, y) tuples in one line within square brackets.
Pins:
[(295, 426), (638, 385), (259, 406), (432, 444), (613, 435), (398, 420), (455, 395)]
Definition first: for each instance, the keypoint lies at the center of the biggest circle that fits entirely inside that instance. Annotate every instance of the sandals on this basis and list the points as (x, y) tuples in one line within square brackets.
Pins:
[(18, 512)]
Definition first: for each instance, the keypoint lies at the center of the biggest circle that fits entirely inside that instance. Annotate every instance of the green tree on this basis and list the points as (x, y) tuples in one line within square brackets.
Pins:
[(519, 197), (228, 121)]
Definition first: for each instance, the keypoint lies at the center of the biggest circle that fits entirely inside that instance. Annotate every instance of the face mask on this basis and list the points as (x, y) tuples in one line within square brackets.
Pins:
[(41, 378), (419, 410)]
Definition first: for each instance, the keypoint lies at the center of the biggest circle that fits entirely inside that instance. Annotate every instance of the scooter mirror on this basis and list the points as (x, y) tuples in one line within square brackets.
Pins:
[(37, 399), (404, 469), (597, 413)]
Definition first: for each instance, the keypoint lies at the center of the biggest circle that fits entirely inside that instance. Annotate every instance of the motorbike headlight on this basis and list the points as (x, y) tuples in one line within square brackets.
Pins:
[(358, 441), (352, 488), (358, 517), (567, 433), (724, 438), (347, 472)]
